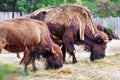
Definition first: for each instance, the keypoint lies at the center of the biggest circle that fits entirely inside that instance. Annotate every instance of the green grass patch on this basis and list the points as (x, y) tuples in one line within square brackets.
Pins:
[(22, 73), (5, 69), (96, 78), (2, 74)]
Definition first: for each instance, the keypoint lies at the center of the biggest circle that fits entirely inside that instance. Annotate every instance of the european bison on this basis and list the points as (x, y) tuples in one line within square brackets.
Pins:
[(71, 25), (32, 37), (109, 32)]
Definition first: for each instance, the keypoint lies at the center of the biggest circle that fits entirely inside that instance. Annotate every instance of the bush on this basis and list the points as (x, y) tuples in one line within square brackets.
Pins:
[(110, 28)]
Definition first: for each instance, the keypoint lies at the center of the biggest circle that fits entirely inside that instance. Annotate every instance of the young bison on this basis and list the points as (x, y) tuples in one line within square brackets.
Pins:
[(32, 37)]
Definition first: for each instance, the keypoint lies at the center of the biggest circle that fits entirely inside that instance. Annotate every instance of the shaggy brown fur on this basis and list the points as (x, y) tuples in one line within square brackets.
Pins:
[(32, 37), (64, 15), (68, 24), (100, 27)]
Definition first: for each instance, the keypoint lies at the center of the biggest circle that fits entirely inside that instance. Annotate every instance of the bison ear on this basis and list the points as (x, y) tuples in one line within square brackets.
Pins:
[(54, 51)]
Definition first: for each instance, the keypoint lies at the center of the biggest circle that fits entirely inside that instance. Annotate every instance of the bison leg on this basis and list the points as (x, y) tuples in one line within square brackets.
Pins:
[(64, 53), (33, 64), (26, 59), (25, 67), (68, 40), (74, 58), (18, 56)]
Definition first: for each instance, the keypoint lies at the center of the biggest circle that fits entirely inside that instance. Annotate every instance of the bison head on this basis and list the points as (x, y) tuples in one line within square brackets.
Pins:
[(55, 59), (2, 43), (97, 51), (98, 46), (100, 37)]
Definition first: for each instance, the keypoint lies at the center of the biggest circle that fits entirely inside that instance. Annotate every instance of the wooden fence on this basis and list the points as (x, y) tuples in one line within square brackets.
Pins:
[(8, 15), (111, 22)]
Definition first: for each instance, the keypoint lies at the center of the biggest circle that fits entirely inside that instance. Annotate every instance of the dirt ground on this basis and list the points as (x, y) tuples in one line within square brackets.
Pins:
[(104, 69)]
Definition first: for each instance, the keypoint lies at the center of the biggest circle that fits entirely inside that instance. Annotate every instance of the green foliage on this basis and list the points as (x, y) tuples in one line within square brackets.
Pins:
[(110, 28), (79, 2), (101, 14), (8, 68), (107, 8), (46, 3), (101, 8), (23, 5), (3, 4), (91, 5)]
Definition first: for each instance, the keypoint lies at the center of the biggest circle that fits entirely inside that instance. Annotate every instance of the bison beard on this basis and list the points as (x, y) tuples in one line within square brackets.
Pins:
[(67, 26), (32, 37)]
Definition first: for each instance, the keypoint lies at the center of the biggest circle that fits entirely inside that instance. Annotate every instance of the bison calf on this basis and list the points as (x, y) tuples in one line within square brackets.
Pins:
[(32, 37)]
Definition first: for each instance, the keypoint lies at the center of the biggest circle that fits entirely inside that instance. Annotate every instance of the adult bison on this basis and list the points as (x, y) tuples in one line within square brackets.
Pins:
[(32, 37), (109, 32), (71, 25)]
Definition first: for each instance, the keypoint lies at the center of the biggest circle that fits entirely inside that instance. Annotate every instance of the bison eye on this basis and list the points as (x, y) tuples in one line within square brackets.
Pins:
[(99, 40)]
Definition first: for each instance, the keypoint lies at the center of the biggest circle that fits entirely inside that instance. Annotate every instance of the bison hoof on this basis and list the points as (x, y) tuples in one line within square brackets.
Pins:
[(34, 69), (65, 62), (74, 61), (53, 66)]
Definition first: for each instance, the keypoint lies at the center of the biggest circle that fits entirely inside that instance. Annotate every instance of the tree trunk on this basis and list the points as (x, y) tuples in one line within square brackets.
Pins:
[(31, 5), (13, 7)]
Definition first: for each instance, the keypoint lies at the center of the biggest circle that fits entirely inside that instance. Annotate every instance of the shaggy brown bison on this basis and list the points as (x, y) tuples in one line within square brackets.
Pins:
[(109, 32), (71, 25), (32, 37)]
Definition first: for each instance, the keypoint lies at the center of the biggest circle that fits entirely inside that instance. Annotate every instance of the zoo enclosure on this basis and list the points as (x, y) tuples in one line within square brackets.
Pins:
[(110, 22)]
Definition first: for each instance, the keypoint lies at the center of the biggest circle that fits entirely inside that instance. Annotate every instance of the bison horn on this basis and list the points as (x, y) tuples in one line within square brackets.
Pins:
[(105, 41), (54, 50)]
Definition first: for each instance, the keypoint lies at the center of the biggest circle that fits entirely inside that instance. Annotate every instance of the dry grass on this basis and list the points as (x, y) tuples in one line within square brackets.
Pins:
[(104, 69)]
